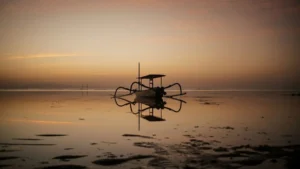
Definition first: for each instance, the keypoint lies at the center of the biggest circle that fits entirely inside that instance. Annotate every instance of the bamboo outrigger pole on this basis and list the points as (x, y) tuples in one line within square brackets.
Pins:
[(139, 80)]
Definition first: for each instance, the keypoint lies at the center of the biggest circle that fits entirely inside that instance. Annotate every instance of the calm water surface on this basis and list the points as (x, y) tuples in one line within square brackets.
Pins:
[(94, 124)]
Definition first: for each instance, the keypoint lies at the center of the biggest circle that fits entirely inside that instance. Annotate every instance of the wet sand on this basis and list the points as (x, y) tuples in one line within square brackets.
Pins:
[(213, 130)]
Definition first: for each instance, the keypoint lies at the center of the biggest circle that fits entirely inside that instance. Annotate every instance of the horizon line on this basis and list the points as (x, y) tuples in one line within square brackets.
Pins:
[(110, 89)]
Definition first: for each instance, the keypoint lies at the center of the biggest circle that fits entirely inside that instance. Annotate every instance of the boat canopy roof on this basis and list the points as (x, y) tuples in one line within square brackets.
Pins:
[(152, 76)]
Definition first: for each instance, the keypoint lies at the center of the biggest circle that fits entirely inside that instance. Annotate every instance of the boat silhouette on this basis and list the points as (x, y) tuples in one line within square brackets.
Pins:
[(150, 90)]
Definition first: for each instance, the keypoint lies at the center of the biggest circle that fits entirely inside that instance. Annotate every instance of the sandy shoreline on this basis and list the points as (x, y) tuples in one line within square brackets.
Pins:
[(196, 152)]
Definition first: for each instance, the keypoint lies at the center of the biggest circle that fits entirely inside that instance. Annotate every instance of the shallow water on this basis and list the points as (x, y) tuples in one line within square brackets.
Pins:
[(92, 126)]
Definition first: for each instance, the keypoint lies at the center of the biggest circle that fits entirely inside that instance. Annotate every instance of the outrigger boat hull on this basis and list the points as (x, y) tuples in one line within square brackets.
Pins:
[(146, 93), (157, 92), (158, 103)]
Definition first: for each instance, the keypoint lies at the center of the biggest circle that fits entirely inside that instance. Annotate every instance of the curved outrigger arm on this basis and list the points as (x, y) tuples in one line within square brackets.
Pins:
[(139, 83), (181, 93), (124, 88), (130, 103), (125, 104), (174, 98), (140, 110), (180, 106), (131, 91)]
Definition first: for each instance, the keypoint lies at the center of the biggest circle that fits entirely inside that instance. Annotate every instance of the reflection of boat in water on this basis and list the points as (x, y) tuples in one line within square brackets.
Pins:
[(151, 104), (147, 106)]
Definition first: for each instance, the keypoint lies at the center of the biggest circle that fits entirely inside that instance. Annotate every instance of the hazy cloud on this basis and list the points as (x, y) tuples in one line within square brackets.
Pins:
[(37, 56)]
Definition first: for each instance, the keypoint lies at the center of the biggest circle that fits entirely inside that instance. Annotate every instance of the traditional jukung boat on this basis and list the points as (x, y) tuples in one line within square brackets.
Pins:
[(150, 90)]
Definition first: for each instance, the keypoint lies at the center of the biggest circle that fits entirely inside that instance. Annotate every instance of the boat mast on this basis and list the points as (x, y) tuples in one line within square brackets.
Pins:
[(139, 80)]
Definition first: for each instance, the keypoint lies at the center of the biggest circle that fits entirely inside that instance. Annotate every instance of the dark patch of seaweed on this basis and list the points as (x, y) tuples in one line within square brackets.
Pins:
[(25, 144), (8, 150), (145, 144), (136, 135), (27, 139), (8, 158), (68, 157), (51, 135), (68, 148), (108, 142), (116, 161), (252, 161), (220, 149), (226, 127), (66, 166), (5, 165), (158, 150), (161, 162), (235, 157)]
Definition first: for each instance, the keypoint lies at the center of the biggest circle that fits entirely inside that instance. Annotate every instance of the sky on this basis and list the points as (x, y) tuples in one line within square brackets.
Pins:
[(215, 44)]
